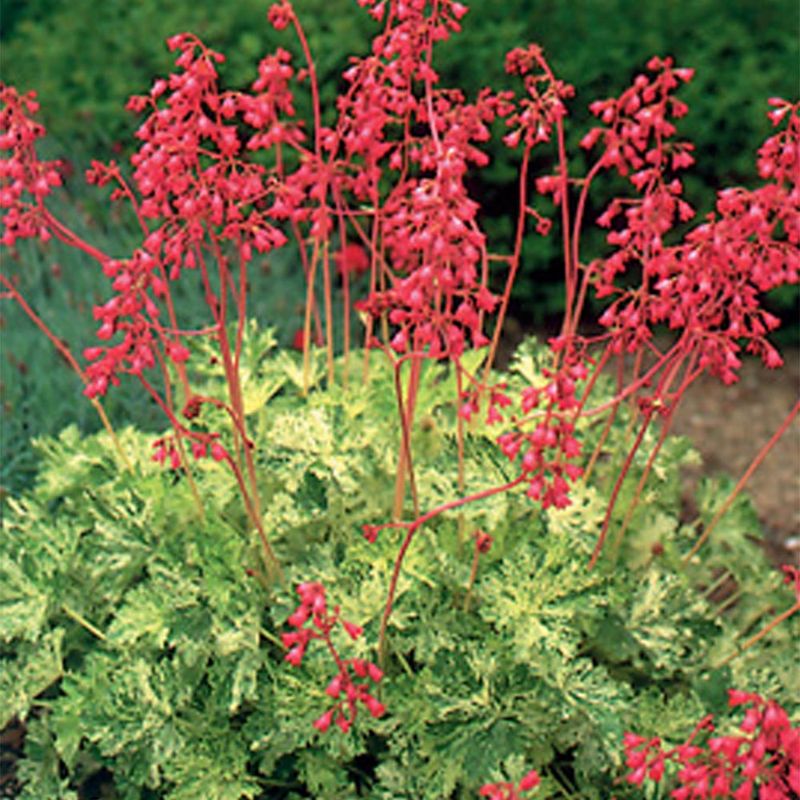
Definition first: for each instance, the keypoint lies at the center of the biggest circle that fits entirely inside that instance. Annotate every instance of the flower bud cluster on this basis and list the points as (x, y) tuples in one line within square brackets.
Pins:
[(546, 448), (505, 790), (543, 106), (763, 761), (708, 285), (25, 180), (313, 620)]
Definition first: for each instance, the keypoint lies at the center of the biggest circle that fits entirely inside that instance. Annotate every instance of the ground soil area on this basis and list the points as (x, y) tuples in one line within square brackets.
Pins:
[(730, 424)]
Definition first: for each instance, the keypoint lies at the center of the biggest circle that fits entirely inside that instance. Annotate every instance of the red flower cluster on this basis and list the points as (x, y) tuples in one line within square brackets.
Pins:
[(709, 284), (506, 790), (763, 762), (312, 620), (548, 451), (166, 451), (436, 293), (543, 106), (191, 178), (24, 180)]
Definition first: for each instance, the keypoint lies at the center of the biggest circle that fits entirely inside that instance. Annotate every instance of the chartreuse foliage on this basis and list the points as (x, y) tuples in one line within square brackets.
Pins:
[(141, 643)]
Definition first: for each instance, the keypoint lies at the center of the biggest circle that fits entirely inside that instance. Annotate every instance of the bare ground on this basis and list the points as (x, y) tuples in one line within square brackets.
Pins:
[(730, 424)]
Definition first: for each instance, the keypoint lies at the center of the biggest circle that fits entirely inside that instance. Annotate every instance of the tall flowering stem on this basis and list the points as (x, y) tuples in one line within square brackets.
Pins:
[(67, 355), (740, 484), (411, 528)]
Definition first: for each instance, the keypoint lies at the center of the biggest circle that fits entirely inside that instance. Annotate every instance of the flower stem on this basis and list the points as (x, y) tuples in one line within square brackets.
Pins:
[(756, 637)]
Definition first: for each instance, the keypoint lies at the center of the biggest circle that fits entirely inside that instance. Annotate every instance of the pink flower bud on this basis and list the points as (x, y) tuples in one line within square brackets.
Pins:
[(334, 688), (324, 722), (295, 655), (353, 631), (374, 706), (530, 781)]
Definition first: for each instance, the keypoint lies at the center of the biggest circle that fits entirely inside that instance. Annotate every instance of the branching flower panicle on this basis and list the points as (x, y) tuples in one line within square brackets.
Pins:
[(313, 620)]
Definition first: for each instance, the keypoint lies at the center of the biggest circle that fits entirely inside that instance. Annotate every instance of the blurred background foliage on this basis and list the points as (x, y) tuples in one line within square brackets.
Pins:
[(85, 57)]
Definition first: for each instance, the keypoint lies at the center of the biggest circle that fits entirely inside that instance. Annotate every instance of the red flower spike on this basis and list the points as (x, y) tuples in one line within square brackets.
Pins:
[(312, 619), (768, 754)]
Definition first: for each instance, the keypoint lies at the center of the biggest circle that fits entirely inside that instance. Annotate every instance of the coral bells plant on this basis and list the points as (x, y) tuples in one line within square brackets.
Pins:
[(372, 202)]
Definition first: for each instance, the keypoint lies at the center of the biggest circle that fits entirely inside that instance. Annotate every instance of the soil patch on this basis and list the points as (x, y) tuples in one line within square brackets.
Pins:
[(729, 425)]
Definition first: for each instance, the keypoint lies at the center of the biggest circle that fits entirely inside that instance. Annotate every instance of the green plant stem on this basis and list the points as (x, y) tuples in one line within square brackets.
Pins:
[(83, 622), (473, 573), (724, 576), (406, 413)]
